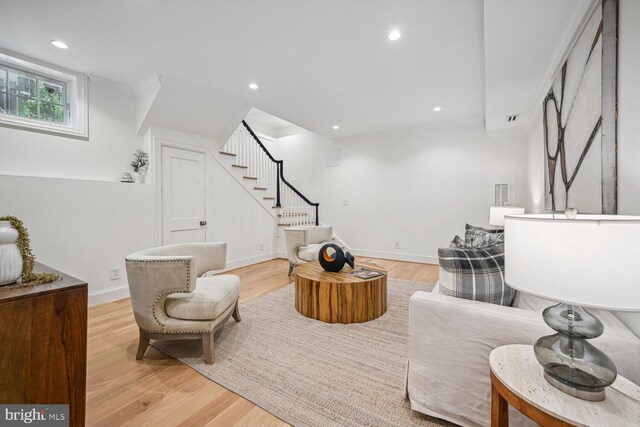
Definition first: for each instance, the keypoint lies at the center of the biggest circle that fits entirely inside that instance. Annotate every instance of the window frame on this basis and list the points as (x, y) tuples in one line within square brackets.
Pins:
[(39, 80), (76, 102)]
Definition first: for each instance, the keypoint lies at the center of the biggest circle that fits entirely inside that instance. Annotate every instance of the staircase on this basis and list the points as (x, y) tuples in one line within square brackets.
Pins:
[(264, 175)]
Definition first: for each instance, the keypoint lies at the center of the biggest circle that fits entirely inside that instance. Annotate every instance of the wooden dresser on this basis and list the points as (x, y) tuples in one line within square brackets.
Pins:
[(43, 344)]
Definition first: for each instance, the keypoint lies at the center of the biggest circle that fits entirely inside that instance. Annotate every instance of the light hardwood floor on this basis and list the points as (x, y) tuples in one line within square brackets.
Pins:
[(159, 390)]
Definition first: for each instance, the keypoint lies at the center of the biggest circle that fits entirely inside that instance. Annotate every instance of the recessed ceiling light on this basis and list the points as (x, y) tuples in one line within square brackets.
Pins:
[(253, 86), (60, 44), (437, 109), (394, 35), (336, 127)]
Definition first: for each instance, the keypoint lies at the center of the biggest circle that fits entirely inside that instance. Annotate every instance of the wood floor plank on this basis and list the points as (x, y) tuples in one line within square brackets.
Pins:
[(159, 390)]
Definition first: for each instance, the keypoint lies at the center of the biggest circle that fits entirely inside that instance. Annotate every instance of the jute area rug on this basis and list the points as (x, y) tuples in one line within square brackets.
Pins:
[(311, 373)]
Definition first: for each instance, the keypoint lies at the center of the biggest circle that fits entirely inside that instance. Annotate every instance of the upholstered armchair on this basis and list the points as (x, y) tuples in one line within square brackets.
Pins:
[(304, 243), (175, 294)]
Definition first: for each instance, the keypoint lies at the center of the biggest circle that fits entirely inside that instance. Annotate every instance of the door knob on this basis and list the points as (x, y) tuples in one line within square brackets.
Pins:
[(203, 222)]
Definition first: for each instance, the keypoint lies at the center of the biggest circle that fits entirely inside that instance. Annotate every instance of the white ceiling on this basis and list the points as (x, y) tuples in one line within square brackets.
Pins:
[(317, 63), (267, 119), (524, 42), (270, 125)]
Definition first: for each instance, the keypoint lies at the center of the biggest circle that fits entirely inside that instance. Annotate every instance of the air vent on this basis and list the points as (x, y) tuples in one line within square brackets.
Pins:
[(513, 117)]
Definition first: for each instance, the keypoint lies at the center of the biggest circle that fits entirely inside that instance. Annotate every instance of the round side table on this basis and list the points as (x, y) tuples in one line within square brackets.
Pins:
[(517, 379)]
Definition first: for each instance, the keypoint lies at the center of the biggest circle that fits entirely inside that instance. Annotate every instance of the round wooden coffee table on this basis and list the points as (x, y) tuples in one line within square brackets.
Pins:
[(340, 297)]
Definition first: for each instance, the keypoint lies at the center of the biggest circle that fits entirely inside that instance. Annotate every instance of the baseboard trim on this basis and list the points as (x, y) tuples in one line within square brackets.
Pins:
[(396, 256), (243, 262), (103, 296)]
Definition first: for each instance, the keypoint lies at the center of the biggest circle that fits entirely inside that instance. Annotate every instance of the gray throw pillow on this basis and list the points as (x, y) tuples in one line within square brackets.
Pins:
[(457, 242), (478, 237)]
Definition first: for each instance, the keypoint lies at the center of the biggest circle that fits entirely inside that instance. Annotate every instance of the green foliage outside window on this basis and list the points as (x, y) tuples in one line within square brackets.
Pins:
[(50, 108)]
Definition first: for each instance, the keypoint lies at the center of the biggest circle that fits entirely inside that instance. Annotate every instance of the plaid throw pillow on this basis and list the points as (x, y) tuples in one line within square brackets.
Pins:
[(478, 237), (475, 274)]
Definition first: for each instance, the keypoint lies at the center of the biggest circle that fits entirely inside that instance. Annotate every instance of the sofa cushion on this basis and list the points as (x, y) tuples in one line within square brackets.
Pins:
[(310, 252), (478, 237), (212, 296), (475, 274)]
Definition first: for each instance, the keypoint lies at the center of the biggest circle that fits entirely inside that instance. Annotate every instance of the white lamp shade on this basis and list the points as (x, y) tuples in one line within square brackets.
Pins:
[(590, 261), (497, 213)]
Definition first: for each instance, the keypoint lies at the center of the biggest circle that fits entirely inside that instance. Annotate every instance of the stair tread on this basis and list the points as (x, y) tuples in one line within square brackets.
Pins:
[(260, 188), (292, 214), (269, 198), (240, 166), (250, 177), (284, 225), (226, 153)]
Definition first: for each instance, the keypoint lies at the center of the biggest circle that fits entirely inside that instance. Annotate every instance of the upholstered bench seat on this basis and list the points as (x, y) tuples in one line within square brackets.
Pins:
[(212, 297)]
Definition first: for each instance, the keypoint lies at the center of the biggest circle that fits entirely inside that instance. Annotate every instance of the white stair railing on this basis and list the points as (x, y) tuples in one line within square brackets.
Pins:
[(295, 211), (266, 174)]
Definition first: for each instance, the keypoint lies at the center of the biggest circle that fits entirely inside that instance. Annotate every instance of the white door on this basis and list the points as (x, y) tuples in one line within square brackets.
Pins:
[(183, 196)]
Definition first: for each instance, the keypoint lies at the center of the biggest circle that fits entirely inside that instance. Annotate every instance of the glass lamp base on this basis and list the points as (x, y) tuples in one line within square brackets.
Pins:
[(592, 395), (570, 362)]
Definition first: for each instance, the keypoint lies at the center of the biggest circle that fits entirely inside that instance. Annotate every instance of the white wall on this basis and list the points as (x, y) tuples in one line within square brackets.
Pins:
[(416, 186), (628, 130), (107, 153), (304, 162), (82, 227), (534, 191), (239, 220), (80, 218), (628, 121), (629, 108)]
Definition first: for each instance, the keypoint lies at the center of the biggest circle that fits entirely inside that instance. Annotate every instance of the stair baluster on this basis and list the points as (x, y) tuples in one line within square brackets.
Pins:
[(267, 172)]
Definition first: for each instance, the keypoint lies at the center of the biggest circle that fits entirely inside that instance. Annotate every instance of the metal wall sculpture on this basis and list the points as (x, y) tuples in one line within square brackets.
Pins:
[(579, 121)]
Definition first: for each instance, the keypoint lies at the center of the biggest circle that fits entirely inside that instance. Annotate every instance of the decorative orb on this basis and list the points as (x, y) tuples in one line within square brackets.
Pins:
[(331, 257)]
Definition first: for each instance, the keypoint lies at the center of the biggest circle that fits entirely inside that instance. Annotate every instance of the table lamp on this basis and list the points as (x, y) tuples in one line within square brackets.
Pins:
[(588, 261), (497, 213)]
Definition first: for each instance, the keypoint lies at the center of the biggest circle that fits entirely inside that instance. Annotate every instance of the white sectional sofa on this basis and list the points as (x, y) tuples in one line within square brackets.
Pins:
[(449, 344)]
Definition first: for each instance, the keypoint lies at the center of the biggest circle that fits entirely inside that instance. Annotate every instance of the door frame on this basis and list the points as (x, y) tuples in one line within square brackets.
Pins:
[(177, 140)]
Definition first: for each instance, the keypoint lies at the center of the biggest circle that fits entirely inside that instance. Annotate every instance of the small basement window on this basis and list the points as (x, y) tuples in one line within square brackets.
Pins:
[(35, 96)]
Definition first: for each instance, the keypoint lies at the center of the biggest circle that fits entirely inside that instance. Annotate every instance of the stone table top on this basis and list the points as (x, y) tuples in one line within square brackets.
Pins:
[(516, 367)]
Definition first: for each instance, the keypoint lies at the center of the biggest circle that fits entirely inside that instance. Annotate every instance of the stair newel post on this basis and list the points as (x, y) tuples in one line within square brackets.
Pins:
[(278, 173), (317, 220)]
